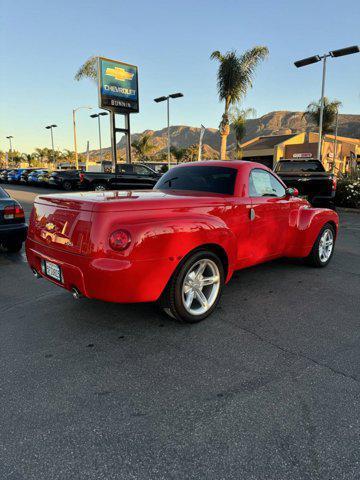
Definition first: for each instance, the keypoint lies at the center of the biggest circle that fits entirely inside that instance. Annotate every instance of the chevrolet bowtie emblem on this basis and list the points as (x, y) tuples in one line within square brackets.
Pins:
[(119, 74)]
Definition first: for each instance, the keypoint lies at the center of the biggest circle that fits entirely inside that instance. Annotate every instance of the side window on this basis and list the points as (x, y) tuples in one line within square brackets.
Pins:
[(141, 170), (124, 169), (263, 184)]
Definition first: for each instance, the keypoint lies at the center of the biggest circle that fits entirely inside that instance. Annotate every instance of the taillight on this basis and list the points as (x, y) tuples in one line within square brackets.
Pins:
[(12, 212), (334, 183), (81, 175), (119, 240)]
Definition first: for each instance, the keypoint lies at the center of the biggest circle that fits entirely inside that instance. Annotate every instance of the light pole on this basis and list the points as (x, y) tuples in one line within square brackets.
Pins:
[(9, 138), (50, 127), (317, 58), (167, 99), (98, 115), (75, 142)]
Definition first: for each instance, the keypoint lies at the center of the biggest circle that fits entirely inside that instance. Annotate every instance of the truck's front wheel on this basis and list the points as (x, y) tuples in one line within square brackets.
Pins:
[(195, 288)]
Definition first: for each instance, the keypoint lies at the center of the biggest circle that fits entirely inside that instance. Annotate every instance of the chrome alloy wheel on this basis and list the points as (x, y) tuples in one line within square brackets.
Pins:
[(326, 245), (100, 188), (201, 287)]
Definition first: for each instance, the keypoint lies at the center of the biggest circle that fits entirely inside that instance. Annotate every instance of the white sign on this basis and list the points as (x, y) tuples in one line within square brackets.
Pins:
[(302, 155)]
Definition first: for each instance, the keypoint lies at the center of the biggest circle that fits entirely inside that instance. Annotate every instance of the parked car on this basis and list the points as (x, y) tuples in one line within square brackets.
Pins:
[(65, 179), (134, 176), (311, 180), (179, 243), (13, 228), (43, 178), (36, 177), (25, 174), (14, 175), (4, 175)]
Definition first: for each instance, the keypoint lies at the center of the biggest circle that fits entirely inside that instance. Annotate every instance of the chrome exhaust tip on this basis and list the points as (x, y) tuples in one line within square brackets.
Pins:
[(36, 273), (76, 294)]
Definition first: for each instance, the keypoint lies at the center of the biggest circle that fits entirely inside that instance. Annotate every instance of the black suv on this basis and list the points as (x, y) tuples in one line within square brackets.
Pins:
[(65, 179)]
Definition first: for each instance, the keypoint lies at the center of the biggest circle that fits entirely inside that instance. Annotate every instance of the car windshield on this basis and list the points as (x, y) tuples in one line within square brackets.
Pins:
[(3, 194), (297, 166), (199, 178)]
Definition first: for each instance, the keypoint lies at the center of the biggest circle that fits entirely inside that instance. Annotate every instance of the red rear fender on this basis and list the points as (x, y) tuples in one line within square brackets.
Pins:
[(306, 228)]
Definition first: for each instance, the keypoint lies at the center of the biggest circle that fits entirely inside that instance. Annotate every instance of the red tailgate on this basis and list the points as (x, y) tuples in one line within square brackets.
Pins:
[(61, 224)]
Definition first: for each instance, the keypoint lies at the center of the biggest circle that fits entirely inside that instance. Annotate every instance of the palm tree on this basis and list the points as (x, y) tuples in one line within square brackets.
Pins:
[(191, 153), (331, 108), (178, 153), (238, 123), (143, 147), (68, 155), (88, 70), (234, 78)]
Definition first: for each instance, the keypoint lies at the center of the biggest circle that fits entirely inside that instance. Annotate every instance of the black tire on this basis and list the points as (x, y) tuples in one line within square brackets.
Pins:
[(314, 259), (66, 185), (99, 186), (13, 247), (172, 300)]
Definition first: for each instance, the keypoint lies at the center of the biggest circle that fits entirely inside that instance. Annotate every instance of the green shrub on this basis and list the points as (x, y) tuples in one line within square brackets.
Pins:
[(348, 193)]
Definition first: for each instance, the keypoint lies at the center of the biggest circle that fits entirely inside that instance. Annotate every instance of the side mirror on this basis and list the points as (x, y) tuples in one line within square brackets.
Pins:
[(292, 192)]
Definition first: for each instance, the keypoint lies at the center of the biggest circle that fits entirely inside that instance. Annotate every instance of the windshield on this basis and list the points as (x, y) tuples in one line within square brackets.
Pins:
[(200, 179), (3, 194), (297, 166)]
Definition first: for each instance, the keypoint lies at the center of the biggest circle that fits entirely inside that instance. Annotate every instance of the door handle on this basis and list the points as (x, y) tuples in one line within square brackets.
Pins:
[(252, 214)]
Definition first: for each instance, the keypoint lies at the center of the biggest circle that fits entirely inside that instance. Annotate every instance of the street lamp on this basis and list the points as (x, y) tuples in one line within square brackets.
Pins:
[(317, 58), (98, 115), (162, 99), (75, 143), (50, 127), (9, 138)]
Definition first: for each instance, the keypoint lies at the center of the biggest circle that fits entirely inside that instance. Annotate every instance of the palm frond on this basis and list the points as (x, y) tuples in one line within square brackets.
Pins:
[(87, 70), (331, 108)]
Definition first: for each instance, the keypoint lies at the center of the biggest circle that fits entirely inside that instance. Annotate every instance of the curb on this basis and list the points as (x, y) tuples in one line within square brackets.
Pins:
[(348, 210)]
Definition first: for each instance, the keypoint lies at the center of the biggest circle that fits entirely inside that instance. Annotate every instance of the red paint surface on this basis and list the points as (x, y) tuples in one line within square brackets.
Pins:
[(73, 230)]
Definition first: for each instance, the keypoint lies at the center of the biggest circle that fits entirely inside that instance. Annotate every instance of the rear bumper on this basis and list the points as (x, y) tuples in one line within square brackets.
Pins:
[(13, 232), (106, 279)]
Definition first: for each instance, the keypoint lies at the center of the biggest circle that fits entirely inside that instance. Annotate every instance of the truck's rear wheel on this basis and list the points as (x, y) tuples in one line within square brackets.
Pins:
[(195, 288), (67, 185)]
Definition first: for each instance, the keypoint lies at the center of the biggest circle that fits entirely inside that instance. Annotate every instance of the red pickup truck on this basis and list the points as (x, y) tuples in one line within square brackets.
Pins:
[(179, 243)]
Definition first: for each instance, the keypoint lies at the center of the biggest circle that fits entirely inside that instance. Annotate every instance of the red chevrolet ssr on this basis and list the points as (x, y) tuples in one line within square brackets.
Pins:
[(179, 243)]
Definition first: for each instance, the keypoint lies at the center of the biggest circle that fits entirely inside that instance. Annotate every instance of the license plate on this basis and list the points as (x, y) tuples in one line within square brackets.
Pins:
[(53, 271)]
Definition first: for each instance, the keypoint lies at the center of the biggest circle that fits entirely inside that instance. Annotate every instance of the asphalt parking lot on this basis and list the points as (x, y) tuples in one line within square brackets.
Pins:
[(267, 388)]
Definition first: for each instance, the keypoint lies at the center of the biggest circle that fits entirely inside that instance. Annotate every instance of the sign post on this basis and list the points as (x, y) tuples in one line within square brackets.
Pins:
[(118, 91)]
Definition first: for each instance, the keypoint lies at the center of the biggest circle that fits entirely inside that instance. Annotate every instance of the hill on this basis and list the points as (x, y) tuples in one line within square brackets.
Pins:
[(273, 123)]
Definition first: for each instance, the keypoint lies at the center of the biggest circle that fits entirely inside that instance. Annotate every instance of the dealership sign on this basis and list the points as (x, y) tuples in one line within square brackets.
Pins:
[(118, 86), (302, 155)]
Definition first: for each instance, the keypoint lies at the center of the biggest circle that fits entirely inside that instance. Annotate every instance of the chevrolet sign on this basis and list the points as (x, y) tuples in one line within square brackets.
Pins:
[(118, 86)]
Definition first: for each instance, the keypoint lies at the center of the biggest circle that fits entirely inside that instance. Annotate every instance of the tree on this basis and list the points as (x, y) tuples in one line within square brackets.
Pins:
[(178, 153), (143, 147), (88, 70), (191, 153), (68, 155), (238, 123), (234, 78), (312, 114)]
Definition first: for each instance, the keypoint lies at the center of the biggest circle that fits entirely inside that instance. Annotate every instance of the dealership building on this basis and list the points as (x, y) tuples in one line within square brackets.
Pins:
[(268, 150)]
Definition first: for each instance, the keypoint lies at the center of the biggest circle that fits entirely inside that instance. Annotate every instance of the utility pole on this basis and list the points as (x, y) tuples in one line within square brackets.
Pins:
[(75, 140)]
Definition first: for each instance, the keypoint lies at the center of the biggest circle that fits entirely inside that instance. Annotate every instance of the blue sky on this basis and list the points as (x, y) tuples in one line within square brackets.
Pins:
[(42, 44)]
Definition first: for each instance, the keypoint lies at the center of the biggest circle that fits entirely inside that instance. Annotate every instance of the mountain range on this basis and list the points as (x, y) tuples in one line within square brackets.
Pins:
[(273, 123)]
